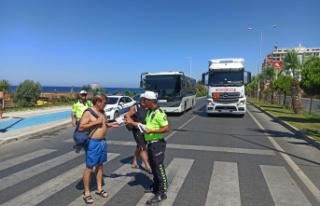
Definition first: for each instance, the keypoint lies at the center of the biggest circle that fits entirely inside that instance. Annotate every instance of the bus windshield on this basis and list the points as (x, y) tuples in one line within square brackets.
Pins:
[(164, 85)]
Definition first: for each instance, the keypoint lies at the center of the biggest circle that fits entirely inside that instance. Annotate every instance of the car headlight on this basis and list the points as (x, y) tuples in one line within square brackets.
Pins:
[(109, 109)]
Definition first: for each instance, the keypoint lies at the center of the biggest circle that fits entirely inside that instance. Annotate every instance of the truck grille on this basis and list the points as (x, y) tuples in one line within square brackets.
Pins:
[(227, 97)]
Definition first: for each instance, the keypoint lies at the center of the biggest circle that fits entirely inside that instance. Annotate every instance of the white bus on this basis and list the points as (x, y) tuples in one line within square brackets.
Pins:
[(176, 91)]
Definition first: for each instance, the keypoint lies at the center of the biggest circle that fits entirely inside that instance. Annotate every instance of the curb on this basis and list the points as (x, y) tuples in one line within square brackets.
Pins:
[(45, 129), (296, 131)]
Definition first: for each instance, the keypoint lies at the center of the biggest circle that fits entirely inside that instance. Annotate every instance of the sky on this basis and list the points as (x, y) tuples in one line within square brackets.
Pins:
[(111, 42)]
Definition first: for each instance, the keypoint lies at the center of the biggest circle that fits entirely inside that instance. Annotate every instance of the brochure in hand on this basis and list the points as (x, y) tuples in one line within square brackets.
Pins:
[(142, 128), (120, 120)]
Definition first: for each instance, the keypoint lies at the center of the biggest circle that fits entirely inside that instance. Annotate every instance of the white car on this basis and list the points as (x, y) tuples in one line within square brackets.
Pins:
[(117, 105)]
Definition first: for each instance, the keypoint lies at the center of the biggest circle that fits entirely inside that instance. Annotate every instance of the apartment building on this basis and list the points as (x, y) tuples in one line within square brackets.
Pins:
[(276, 57)]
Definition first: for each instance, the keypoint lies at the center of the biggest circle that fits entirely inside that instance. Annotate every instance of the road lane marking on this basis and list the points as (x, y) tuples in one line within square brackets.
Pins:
[(203, 148), (174, 132), (224, 186), (112, 185), (24, 158), (303, 177), (35, 170), (47, 189), (177, 172), (283, 189)]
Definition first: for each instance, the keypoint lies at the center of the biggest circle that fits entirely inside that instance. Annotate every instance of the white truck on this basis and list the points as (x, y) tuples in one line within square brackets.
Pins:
[(226, 86)]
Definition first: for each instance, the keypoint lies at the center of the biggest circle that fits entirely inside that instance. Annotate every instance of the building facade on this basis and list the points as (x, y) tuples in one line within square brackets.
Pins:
[(275, 58)]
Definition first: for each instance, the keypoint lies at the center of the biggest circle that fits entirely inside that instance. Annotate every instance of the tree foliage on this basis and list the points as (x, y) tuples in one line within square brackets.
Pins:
[(283, 84), (4, 85), (310, 77), (86, 87), (27, 93), (201, 89), (291, 61)]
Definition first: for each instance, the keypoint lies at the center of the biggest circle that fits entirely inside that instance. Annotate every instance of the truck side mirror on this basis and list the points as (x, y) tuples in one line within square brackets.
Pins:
[(247, 77), (203, 78)]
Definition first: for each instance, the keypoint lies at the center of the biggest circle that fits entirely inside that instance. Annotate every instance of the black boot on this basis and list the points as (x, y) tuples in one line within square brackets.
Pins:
[(157, 198), (151, 189)]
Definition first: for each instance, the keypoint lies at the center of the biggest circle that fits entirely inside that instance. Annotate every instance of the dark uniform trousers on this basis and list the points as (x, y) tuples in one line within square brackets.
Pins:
[(156, 158)]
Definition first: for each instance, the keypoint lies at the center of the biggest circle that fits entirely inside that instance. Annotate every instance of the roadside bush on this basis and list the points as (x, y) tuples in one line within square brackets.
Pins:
[(63, 98), (27, 93), (201, 94)]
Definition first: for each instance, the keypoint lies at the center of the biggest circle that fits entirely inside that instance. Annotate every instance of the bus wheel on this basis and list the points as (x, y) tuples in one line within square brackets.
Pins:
[(185, 108)]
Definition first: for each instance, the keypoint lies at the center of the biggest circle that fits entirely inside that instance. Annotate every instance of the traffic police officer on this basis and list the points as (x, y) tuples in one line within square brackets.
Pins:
[(156, 125), (77, 110)]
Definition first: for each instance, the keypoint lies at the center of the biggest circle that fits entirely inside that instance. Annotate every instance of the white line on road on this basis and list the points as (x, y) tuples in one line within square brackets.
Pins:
[(313, 189), (35, 170), (24, 158), (113, 184), (203, 148), (47, 189), (283, 189), (224, 187), (177, 171)]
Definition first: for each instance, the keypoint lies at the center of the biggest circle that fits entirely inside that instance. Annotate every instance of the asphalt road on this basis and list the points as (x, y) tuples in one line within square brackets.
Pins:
[(221, 160)]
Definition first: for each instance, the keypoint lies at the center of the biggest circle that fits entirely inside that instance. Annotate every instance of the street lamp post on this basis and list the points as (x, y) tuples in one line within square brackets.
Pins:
[(189, 65), (260, 47)]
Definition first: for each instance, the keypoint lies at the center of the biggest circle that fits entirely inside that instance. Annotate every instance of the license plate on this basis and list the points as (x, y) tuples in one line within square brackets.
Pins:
[(225, 110)]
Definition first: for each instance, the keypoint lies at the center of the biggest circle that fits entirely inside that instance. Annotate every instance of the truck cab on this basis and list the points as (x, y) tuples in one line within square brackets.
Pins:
[(226, 86)]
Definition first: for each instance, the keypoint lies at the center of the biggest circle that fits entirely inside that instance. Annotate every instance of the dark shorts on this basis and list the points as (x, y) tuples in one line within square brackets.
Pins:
[(139, 138), (96, 152)]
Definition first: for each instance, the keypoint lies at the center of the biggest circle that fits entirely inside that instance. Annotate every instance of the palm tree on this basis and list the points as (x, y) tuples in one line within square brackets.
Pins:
[(269, 75), (291, 63), (260, 83)]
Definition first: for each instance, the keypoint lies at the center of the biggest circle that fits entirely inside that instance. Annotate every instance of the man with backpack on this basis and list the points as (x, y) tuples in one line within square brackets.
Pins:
[(136, 115), (96, 150)]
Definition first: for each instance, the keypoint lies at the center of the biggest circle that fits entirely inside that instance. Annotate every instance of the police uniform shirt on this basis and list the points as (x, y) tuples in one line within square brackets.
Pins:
[(155, 119), (79, 107)]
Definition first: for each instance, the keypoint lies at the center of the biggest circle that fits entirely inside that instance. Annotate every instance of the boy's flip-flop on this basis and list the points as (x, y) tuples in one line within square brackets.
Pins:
[(102, 193)]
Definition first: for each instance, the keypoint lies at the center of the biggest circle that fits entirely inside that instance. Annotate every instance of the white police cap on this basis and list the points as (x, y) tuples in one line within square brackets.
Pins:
[(150, 95), (83, 92)]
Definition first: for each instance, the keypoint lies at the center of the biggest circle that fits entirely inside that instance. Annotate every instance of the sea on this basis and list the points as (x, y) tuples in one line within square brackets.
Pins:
[(58, 89)]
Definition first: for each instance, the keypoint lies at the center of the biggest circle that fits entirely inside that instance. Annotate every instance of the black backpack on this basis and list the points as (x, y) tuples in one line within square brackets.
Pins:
[(139, 116)]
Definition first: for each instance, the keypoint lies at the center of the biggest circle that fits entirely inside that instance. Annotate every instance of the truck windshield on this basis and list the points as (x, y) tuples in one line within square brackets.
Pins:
[(224, 78), (164, 85)]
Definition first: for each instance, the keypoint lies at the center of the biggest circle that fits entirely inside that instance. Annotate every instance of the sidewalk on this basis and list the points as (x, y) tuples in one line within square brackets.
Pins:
[(25, 124), (296, 131)]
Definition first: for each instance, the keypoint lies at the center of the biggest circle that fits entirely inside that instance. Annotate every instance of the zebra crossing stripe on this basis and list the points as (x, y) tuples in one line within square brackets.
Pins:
[(112, 185), (47, 189), (224, 185), (35, 170), (283, 189), (177, 172), (18, 160)]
